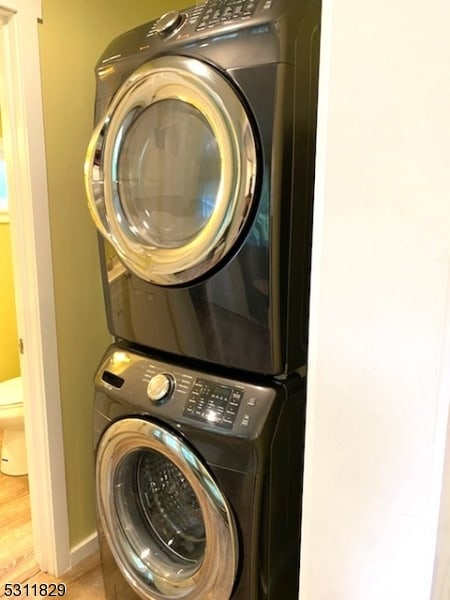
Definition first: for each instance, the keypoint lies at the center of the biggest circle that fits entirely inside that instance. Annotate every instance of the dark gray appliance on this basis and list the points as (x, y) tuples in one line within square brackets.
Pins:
[(200, 179), (198, 481)]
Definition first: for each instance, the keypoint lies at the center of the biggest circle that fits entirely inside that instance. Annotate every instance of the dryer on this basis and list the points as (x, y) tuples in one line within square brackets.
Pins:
[(199, 177), (198, 479)]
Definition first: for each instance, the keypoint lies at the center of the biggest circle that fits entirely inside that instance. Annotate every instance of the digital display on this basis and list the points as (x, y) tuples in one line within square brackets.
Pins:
[(213, 403)]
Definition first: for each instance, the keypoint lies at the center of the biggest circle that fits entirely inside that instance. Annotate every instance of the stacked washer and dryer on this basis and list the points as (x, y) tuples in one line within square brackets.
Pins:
[(200, 177)]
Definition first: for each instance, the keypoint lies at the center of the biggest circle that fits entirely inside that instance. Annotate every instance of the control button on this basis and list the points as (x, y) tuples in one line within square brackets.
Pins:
[(169, 22), (251, 401), (159, 388), (227, 13), (245, 422)]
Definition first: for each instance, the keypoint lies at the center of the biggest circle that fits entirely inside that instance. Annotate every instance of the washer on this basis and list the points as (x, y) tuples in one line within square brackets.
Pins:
[(199, 176), (198, 481)]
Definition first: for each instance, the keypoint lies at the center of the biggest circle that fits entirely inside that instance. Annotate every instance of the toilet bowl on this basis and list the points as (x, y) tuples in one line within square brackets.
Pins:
[(13, 460)]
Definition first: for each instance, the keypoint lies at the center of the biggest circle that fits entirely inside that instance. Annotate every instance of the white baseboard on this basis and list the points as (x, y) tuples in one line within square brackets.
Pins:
[(84, 549)]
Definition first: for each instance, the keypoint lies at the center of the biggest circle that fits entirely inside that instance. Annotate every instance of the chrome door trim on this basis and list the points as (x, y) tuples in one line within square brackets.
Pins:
[(200, 85), (214, 577)]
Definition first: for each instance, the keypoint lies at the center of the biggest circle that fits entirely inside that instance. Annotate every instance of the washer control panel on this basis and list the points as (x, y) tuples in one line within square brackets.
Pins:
[(208, 15), (179, 394)]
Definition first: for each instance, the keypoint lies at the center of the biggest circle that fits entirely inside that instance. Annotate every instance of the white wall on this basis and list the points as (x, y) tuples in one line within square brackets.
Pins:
[(379, 368), (441, 580)]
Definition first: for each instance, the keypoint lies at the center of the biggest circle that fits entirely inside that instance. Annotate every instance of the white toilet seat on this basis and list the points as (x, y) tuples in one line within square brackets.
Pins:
[(11, 393), (13, 460)]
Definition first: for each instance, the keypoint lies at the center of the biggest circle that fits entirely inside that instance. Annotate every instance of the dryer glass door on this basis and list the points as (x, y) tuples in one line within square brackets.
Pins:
[(171, 170), (167, 522)]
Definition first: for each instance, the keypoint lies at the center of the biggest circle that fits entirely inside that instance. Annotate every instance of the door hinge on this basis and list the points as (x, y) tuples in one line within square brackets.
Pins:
[(21, 345)]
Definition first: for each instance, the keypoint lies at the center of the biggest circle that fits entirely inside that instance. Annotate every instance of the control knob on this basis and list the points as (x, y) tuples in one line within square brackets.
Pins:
[(169, 22), (159, 388)]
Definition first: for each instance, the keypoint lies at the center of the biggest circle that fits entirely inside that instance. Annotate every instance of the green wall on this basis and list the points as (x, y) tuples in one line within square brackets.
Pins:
[(72, 35), (9, 355)]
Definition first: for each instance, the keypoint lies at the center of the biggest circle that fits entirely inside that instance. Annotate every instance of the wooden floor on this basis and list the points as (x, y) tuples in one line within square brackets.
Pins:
[(17, 564), (16, 544), (84, 582)]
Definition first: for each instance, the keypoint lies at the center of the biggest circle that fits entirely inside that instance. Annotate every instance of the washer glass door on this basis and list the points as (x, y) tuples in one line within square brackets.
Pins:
[(171, 169), (167, 522)]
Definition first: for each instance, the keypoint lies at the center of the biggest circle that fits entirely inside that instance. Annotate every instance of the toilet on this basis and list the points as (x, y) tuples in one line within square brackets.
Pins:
[(13, 457)]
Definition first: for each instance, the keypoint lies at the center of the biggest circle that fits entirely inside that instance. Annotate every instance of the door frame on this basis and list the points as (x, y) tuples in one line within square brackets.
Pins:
[(24, 146)]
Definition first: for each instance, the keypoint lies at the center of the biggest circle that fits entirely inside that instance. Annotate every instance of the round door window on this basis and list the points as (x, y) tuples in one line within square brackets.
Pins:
[(167, 522), (171, 170), (168, 175)]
